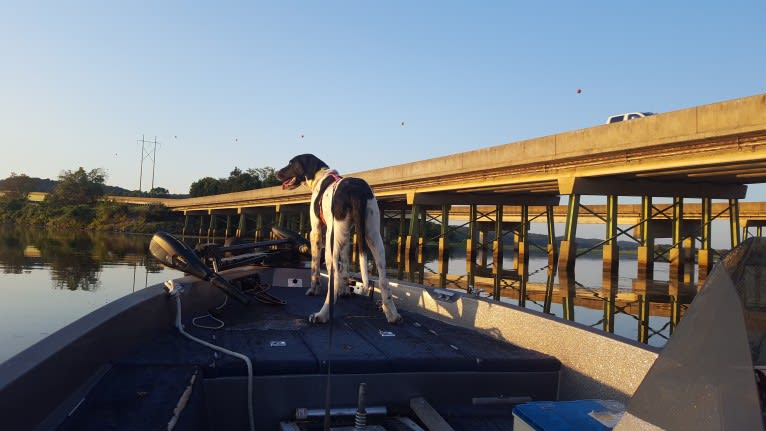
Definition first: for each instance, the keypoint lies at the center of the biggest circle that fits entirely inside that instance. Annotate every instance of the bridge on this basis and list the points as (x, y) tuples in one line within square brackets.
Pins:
[(691, 156)]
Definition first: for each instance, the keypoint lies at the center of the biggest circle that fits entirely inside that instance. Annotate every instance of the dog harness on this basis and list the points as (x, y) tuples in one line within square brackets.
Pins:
[(336, 179)]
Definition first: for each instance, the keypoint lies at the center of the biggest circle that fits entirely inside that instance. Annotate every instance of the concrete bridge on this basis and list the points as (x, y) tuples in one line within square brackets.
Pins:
[(693, 157), (687, 169)]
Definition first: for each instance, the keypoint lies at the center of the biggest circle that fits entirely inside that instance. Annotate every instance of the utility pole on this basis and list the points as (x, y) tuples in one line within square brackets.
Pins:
[(147, 152)]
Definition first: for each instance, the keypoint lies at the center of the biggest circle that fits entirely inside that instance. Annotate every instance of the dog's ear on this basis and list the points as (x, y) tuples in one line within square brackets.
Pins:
[(311, 164)]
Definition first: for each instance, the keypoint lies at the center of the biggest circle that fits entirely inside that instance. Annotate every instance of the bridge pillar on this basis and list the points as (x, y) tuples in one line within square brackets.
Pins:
[(228, 226), (551, 249), (676, 257), (641, 289), (201, 232), (259, 227), (279, 217), (704, 254), (610, 249), (522, 246), (522, 254), (675, 304), (609, 294), (401, 240), (734, 222), (549, 284), (242, 227), (483, 245), (186, 224), (688, 260), (443, 258), (471, 246), (645, 252), (568, 292), (568, 250), (414, 244), (497, 253), (212, 227)]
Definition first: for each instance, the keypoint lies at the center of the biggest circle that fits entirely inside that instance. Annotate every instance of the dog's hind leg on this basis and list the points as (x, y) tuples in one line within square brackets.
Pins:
[(363, 269), (316, 239), (378, 250), (335, 250), (323, 315)]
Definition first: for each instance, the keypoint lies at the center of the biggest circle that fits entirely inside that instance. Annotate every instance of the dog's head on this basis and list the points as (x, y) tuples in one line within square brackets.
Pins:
[(299, 170)]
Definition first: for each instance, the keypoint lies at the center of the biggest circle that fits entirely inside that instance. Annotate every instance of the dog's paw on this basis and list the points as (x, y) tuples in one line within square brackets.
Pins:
[(316, 318), (311, 292), (395, 319)]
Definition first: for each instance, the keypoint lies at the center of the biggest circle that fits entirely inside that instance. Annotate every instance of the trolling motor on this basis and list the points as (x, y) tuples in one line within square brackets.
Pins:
[(174, 253), (244, 253)]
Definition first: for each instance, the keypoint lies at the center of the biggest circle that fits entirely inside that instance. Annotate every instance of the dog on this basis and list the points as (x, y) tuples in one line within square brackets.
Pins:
[(337, 204)]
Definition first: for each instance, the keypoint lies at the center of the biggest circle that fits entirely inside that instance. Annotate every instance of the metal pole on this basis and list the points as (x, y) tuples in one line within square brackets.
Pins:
[(154, 157)]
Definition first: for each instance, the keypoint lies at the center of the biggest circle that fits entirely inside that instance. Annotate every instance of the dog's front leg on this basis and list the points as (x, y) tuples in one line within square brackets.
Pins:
[(317, 240)]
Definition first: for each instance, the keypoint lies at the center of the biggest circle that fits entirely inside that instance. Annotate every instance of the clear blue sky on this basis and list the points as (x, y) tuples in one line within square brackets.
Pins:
[(250, 84)]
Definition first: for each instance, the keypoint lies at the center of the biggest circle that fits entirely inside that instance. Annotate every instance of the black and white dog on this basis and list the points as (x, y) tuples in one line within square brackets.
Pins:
[(337, 204)]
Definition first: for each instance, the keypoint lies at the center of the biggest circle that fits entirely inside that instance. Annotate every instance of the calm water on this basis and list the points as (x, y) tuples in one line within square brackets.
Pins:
[(50, 279)]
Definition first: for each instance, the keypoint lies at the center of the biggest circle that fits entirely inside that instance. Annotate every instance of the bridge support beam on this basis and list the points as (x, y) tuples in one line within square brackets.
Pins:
[(259, 236), (645, 252), (734, 221), (568, 250), (186, 224), (497, 253), (705, 252), (201, 231), (610, 249), (211, 230), (443, 257), (401, 241), (676, 270), (471, 246), (228, 226), (553, 254), (522, 254), (242, 226)]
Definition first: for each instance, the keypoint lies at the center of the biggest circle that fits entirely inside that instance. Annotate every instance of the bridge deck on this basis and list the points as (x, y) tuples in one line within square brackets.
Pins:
[(705, 151)]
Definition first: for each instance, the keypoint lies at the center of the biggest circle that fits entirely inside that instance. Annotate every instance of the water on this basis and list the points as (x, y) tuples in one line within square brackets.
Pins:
[(591, 293), (50, 279)]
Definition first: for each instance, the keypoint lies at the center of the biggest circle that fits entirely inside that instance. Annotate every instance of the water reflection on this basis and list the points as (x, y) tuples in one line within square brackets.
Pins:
[(110, 265), (75, 259), (51, 278), (619, 302)]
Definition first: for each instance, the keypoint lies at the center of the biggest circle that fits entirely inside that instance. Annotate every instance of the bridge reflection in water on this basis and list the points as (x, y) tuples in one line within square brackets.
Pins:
[(631, 306)]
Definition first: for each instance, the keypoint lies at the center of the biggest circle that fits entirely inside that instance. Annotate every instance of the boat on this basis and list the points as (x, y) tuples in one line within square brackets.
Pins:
[(228, 346)]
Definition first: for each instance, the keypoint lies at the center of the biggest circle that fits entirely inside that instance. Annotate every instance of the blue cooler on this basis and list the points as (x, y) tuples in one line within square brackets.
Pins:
[(582, 415)]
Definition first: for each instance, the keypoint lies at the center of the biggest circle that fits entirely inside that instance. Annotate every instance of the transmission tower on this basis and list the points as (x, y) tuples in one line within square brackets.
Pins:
[(148, 150)]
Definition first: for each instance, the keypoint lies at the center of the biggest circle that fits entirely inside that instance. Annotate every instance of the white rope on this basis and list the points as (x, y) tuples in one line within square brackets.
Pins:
[(249, 364), (219, 323)]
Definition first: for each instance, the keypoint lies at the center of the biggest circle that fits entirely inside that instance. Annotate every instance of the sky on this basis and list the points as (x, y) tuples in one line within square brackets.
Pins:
[(361, 84)]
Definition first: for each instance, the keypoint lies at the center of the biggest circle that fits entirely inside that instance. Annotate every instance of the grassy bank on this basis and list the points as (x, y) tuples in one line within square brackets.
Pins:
[(102, 216)]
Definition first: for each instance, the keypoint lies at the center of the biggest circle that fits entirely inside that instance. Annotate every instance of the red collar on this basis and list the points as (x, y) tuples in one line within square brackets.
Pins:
[(336, 180)]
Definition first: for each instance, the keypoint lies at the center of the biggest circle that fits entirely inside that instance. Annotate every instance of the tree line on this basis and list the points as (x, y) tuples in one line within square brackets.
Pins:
[(76, 200)]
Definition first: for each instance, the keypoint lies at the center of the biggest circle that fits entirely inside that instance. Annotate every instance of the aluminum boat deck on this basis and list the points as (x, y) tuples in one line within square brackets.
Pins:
[(470, 379)]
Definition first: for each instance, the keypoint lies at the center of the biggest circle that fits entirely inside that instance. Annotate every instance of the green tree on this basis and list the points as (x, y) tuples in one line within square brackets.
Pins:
[(205, 187), (158, 192), (237, 181), (267, 176), (18, 186), (78, 187)]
